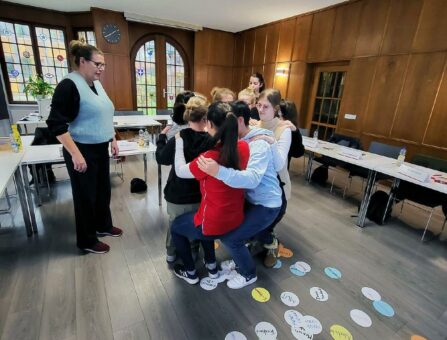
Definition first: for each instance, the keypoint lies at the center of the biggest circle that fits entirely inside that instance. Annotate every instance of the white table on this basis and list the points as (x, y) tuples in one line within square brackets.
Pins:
[(135, 121), (9, 167), (43, 154), (31, 120)]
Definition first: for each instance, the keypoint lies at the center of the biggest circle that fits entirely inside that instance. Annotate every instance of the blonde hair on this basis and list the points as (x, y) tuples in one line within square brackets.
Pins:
[(247, 92), (80, 49), (217, 93), (196, 108)]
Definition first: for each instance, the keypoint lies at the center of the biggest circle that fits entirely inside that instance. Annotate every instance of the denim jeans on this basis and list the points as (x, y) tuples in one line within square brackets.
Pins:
[(183, 230), (256, 222)]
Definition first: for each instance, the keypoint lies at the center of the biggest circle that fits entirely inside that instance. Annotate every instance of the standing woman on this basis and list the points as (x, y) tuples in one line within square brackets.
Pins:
[(82, 119), (269, 106), (257, 84)]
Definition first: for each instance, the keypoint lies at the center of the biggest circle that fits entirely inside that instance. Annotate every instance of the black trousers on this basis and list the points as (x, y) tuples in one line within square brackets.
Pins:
[(91, 193)]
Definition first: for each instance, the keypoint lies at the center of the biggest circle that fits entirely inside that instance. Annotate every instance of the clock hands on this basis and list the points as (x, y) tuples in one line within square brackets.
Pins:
[(108, 35)]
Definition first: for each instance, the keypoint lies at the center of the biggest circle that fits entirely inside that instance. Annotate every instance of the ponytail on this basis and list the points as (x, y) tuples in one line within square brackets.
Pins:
[(221, 115)]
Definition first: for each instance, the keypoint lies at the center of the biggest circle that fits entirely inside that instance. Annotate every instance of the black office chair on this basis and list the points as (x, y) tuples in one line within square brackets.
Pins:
[(424, 196)]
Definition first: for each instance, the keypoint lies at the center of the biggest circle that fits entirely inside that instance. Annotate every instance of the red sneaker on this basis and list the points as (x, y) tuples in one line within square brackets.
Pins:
[(98, 248), (114, 232)]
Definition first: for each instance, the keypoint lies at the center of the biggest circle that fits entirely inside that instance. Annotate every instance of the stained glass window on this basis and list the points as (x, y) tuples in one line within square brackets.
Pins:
[(19, 58), (146, 78), (87, 37), (53, 55), (175, 73)]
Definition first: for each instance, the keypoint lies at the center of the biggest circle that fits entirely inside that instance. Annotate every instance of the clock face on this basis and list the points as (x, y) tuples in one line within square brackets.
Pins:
[(111, 33)]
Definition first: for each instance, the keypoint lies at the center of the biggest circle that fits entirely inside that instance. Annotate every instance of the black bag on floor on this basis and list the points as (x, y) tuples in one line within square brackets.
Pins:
[(377, 206), (320, 175), (137, 185)]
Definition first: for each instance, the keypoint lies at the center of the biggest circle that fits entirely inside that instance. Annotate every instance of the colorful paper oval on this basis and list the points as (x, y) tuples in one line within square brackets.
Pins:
[(332, 272), (383, 308)]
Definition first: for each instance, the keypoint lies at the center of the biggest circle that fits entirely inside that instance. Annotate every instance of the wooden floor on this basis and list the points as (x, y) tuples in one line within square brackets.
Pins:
[(49, 291)]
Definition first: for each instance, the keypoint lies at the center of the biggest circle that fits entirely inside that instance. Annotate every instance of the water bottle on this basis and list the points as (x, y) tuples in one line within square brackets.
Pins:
[(14, 146), (141, 137), (16, 136), (316, 134), (401, 157)]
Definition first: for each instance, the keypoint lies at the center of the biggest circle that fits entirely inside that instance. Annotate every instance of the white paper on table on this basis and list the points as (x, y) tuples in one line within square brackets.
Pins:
[(417, 174), (125, 145), (310, 143), (350, 152)]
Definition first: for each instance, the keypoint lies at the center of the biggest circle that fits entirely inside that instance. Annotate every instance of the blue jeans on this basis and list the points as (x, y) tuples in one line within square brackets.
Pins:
[(183, 230), (257, 220)]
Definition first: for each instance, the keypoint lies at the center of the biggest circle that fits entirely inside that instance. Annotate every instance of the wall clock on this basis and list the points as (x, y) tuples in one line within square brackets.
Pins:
[(111, 33)]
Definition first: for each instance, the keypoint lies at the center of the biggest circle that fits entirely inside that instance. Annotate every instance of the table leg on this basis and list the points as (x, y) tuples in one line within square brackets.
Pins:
[(36, 185), (145, 167), (366, 198), (309, 166), (23, 203), (394, 186), (29, 198), (159, 185)]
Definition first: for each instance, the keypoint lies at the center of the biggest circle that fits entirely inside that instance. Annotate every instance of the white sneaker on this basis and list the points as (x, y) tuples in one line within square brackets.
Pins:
[(228, 265), (238, 281)]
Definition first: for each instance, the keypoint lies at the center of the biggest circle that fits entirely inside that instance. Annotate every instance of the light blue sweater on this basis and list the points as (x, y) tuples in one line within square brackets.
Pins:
[(259, 178), (94, 122)]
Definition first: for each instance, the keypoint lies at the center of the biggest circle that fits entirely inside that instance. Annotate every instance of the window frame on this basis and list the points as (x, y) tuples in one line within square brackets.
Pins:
[(84, 29), (160, 50), (36, 53)]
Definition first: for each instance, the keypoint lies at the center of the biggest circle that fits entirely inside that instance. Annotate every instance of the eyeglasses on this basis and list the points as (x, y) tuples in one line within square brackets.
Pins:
[(98, 65)]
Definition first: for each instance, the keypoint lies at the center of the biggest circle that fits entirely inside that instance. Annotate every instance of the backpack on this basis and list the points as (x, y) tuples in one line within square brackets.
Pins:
[(320, 175), (377, 206)]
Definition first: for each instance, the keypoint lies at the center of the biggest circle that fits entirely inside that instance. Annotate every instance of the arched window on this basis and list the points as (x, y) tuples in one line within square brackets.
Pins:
[(160, 74)]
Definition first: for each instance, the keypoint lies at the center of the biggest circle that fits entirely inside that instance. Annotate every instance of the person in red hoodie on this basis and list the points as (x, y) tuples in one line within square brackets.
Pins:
[(221, 207)]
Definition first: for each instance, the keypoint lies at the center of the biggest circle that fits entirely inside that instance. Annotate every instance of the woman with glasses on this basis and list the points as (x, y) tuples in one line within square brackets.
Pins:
[(81, 117)]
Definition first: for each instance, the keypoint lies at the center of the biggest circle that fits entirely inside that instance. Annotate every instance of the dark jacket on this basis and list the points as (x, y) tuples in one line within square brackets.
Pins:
[(180, 190)]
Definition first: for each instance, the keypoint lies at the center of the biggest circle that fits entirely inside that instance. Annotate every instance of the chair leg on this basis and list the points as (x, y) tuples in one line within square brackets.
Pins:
[(347, 186), (426, 225), (332, 184)]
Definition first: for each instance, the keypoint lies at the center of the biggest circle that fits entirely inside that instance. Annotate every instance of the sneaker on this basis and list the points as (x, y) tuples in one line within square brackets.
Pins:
[(98, 248), (238, 281), (114, 232), (181, 272), (212, 273), (171, 258), (228, 265)]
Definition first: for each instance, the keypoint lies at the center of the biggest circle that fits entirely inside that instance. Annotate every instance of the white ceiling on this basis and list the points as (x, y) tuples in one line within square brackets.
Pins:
[(226, 15)]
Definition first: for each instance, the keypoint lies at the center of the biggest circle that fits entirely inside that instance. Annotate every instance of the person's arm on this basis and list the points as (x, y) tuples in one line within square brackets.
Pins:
[(280, 149), (181, 168), (79, 163), (165, 152), (241, 179)]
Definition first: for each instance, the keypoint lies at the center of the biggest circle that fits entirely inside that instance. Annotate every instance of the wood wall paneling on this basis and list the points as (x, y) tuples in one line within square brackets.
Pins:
[(81, 20), (221, 76), (432, 30), (281, 81), (271, 48), (303, 28), (346, 26), (221, 47), (286, 40), (239, 49), (321, 35), (237, 84), (102, 17), (372, 25), (249, 46), (297, 89), (356, 93), (384, 94), (201, 79), (401, 27), (436, 129), (122, 83), (417, 99), (107, 77), (260, 44), (269, 75), (201, 47)]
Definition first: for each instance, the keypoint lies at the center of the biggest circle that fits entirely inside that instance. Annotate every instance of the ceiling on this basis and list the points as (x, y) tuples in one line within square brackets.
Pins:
[(228, 15)]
